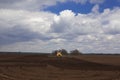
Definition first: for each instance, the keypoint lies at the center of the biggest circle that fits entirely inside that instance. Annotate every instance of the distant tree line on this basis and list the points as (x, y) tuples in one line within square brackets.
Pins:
[(65, 52)]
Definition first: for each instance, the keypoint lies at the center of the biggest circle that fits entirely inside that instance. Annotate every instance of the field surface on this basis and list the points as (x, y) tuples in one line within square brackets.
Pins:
[(45, 67)]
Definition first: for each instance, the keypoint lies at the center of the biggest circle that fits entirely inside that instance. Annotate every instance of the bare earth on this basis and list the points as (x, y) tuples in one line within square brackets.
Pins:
[(44, 67)]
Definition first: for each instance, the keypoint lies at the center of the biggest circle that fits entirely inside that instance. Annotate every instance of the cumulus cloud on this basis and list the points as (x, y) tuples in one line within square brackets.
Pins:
[(32, 5), (36, 5), (20, 25), (28, 30), (95, 9), (110, 21), (61, 22)]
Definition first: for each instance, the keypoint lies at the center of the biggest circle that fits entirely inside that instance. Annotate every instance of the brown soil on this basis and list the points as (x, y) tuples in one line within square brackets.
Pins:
[(42, 67)]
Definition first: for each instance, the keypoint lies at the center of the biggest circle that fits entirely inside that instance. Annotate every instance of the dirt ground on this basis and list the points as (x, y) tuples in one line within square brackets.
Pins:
[(43, 67)]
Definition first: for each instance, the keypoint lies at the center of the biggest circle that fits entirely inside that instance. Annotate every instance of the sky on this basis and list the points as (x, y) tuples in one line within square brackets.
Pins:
[(91, 26)]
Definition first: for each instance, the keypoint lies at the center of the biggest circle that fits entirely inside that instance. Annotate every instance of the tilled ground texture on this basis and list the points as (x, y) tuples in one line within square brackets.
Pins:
[(39, 67)]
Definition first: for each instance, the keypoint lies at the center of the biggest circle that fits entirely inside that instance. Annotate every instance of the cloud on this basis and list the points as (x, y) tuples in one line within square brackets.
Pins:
[(96, 1), (97, 33), (80, 1), (90, 1), (28, 30), (32, 5), (110, 22), (75, 24), (95, 9), (37, 5), (20, 25), (61, 22)]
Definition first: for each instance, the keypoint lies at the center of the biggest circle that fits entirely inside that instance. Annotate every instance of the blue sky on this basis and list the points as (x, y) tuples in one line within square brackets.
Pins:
[(91, 26), (75, 7), (82, 8)]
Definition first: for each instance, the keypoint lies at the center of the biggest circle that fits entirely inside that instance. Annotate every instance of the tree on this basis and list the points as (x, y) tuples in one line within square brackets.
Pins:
[(54, 52), (75, 52), (64, 52)]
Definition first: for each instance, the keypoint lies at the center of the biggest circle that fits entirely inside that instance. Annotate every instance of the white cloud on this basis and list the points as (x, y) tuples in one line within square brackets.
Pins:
[(96, 1), (32, 5), (90, 1), (20, 25), (80, 1), (95, 9), (27, 30), (36, 5), (111, 20)]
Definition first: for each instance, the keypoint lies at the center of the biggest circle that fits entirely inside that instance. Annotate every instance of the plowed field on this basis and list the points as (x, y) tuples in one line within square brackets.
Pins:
[(44, 67)]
